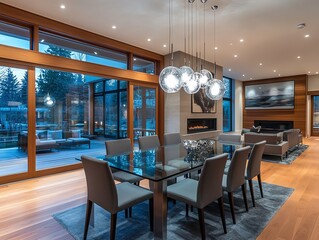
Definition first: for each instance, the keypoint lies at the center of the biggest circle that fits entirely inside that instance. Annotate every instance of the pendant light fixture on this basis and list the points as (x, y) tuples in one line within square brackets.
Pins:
[(215, 88), (170, 78)]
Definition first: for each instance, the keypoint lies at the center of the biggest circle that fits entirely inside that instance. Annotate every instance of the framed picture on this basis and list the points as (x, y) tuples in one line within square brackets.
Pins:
[(202, 104), (280, 95)]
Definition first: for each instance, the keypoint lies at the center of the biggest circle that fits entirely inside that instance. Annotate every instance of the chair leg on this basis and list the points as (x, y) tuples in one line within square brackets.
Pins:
[(87, 218), (252, 191), (201, 217), (222, 213), (150, 204), (260, 185), (186, 210), (243, 189), (113, 226), (231, 203), (130, 212)]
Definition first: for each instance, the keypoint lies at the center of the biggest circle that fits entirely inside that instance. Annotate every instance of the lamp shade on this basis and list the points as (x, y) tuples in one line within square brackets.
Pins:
[(207, 76), (187, 73), (170, 79), (192, 86), (215, 89)]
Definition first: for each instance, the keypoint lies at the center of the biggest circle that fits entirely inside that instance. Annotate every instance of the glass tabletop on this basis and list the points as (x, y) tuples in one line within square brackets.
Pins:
[(164, 162)]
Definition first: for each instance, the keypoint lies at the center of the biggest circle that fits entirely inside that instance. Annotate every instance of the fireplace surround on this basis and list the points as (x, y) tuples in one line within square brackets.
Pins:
[(195, 125)]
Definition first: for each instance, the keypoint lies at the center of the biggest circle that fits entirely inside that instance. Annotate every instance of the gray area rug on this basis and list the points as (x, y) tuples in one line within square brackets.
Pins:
[(249, 224), (292, 155)]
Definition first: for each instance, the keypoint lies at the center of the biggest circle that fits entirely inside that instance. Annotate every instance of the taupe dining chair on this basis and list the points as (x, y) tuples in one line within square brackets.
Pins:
[(120, 146), (172, 138), (103, 191), (201, 193), (253, 168), (235, 177), (148, 142)]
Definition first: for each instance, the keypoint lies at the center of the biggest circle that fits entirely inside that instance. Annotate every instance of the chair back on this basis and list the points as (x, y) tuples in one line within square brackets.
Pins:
[(148, 142), (100, 183), (172, 138), (253, 167), (114, 147), (210, 180), (237, 167)]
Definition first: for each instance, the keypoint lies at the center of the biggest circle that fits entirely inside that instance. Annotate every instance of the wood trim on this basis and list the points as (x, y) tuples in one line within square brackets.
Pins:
[(298, 114), (7, 11), (35, 38), (31, 122), (130, 113), (36, 59), (313, 93)]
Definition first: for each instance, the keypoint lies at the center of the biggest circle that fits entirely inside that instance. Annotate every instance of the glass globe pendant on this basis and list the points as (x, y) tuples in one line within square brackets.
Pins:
[(187, 73), (170, 79), (192, 86), (207, 76), (215, 89)]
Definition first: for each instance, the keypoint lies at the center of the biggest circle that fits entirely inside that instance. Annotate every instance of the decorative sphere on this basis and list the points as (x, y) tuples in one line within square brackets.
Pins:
[(193, 85), (170, 79), (207, 76), (215, 89), (187, 73)]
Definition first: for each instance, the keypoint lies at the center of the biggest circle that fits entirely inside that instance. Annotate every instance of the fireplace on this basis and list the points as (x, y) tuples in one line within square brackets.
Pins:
[(273, 126), (195, 125)]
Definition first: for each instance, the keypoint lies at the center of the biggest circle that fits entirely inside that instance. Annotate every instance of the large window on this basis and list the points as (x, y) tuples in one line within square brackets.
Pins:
[(143, 65), (69, 48), (13, 120), (227, 105), (61, 118), (144, 111), (110, 110), (14, 36)]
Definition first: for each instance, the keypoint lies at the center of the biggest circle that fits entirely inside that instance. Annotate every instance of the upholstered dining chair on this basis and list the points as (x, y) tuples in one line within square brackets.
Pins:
[(235, 177), (148, 142), (120, 146), (253, 168), (172, 138), (203, 192), (103, 191)]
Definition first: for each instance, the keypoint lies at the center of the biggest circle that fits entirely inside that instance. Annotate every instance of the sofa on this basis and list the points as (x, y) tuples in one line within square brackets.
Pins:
[(48, 140), (293, 137), (274, 142)]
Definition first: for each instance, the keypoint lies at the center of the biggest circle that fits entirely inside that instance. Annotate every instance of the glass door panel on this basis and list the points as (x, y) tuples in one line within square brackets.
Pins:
[(144, 111), (13, 120), (98, 115), (315, 116), (111, 115)]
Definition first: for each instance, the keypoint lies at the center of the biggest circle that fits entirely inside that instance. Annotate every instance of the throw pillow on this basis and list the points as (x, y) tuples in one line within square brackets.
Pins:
[(76, 133)]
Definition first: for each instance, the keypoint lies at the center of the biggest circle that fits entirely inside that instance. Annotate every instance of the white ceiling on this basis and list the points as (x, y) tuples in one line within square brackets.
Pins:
[(268, 27)]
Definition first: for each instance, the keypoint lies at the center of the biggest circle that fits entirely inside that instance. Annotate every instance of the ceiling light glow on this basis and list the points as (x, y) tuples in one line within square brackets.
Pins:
[(260, 64), (148, 39), (114, 27), (298, 57), (275, 70), (62, 6), (235, 55), (164, 45), (307, 35), (229, 70), (241, 40), (216, 48)]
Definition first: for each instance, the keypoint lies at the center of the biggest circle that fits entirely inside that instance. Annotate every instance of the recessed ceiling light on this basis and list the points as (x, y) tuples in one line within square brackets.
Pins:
[(114, 27), (164, 45), (307, 35), (298, 57), (42, 40), (216, 48), (95, 53), (148, 39), (309, 72), (260, 64), (279, 74), (275, 70), (241, 40), (229, 70), (62, 6), (316, 72), (243, 75), (231, 44), (251, 78), (235, 55)]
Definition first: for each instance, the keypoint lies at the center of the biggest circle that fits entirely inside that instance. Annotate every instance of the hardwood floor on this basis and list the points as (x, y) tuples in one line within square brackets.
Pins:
[(26, 207)]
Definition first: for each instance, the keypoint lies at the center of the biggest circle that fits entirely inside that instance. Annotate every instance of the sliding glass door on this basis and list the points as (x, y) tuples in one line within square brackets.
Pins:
[(315, 116)]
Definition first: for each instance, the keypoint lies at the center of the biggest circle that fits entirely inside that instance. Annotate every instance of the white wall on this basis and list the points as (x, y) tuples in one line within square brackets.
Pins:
[(238, 105), (313, 83)]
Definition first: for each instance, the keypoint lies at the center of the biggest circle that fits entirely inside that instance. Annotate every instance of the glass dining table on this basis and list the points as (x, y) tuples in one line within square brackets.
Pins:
[(159, 165)]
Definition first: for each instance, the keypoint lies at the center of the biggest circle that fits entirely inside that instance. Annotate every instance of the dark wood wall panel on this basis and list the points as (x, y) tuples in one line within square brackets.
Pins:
[(298, 114)]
